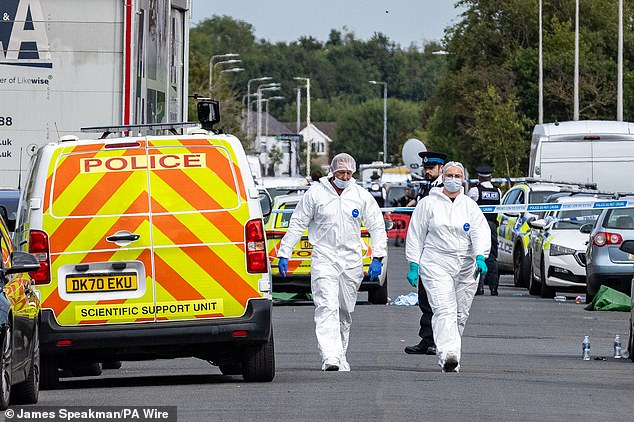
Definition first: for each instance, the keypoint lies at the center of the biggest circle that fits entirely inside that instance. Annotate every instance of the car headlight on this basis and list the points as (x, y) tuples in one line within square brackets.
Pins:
[(560, 250)]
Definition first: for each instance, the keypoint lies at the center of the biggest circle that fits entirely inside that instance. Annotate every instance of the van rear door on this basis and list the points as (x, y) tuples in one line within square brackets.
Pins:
[(566, 158), (96, 214), (199, 211)]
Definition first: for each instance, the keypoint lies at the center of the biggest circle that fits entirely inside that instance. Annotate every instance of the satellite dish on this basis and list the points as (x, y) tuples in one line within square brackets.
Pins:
[(412, 160)]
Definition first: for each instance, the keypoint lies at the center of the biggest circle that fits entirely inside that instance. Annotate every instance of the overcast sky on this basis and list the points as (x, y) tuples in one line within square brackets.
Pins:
[(403, 21)]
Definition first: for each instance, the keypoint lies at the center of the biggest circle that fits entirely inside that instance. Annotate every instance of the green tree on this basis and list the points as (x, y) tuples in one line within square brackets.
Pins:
[(501, 135)]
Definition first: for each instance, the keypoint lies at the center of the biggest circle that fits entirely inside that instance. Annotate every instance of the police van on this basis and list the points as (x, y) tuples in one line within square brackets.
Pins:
[(150, 247)]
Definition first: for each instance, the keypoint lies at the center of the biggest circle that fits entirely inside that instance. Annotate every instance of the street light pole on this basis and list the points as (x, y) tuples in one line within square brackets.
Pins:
[(274, 87), (268, 100), (385, 157), (211, 66), (263, 78), (299, 107), (308, 128), (231, 61)]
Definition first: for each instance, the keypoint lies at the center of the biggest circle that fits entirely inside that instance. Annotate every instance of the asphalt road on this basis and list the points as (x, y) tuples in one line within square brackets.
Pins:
[(521, 362)]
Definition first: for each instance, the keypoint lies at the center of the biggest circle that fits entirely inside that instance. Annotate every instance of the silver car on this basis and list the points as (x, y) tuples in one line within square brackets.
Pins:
[(606, 264)]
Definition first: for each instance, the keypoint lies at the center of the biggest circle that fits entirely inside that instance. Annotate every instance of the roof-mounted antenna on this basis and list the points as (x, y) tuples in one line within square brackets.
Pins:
[(20, 170)]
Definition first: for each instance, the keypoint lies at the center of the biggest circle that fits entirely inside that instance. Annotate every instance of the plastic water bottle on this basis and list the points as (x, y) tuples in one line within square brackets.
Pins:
[(560, 298), (586, 348), (617, 347)]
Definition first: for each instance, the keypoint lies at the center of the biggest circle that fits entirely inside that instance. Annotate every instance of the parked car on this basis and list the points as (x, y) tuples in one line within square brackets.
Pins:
[(19, 335), (297, 279), (558, 249), (514, 231), (628, 247), (607, 264)]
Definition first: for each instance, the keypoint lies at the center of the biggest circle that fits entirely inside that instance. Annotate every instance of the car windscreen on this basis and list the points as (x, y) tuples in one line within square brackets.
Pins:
[(619, 218), (573, 219), (539, 197)]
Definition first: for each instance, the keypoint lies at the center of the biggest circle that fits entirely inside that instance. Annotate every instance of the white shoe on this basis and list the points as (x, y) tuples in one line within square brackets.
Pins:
[(451, 363), (344, 367)]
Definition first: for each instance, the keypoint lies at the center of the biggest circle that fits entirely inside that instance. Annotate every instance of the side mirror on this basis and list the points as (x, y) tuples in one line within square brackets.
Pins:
[(22, 262), (208, 113), (586, 228), (627, 246), (265, 203)]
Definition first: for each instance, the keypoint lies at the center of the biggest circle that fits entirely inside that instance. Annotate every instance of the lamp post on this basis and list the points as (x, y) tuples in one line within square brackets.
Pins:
[(231, 61), (267, 100), (211, 65), (385, 158), (271, 87), (263, 78), (299, 103), (308, 140)]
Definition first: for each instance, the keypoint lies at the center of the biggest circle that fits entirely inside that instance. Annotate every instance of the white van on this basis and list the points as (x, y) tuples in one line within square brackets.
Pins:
[(585, 151)]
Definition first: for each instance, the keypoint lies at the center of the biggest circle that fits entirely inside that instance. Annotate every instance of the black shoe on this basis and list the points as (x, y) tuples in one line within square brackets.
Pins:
[(421, 349), (494, 291), (480, 291)]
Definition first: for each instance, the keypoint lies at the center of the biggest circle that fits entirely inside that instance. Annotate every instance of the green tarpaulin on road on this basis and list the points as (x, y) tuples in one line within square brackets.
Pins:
[(608, 299)]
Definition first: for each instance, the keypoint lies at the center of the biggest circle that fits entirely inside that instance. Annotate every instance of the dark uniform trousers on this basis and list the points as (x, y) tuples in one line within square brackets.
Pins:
[(492, 278)]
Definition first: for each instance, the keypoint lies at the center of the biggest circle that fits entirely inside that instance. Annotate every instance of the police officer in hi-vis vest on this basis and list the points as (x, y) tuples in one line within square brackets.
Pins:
[(484, 193)]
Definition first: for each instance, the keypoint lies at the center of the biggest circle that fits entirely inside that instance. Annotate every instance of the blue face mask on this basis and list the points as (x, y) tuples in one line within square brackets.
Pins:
[(452, 184), (341, 184)]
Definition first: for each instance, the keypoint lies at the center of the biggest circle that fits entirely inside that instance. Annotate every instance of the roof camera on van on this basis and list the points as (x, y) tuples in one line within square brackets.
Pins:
[(208, 113)]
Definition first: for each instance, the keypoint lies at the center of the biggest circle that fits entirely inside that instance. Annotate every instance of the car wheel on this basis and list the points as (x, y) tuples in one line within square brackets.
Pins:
[(378, 296), (520, 268), (534, 287), (630, 345), (546, 291), (49, 373), (7, 356), (27, 392), (258, 363)]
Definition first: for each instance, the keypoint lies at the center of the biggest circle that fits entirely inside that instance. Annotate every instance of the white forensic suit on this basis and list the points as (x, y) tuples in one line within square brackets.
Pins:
[(444, 238), (334, 230)]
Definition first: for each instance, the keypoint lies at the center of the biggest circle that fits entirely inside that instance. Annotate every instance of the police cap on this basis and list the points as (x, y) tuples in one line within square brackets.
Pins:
[(484, 170), (432, 158)]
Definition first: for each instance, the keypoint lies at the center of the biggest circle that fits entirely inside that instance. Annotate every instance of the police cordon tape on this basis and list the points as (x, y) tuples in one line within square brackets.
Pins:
[(494, 209)]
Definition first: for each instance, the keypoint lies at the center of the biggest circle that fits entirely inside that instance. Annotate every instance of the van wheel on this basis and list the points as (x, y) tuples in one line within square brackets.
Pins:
[(546, 291), (378, 296), (233, 368), (87, 370), (258, 363), (521, 268), (111, 364), (49, 373), (27, 392)]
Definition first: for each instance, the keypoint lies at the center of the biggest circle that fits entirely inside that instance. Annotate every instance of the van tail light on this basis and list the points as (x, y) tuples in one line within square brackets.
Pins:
[(257, 259), (607, 238), (38, 247)]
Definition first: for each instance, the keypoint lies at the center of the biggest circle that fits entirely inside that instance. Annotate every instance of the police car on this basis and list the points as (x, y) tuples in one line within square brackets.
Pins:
[(558, 250), (514, 231)]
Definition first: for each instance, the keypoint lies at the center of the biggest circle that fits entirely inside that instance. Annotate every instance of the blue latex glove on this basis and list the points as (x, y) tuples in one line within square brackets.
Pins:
[(412, 275), (282, 265), (375, 269), (482, 266)]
